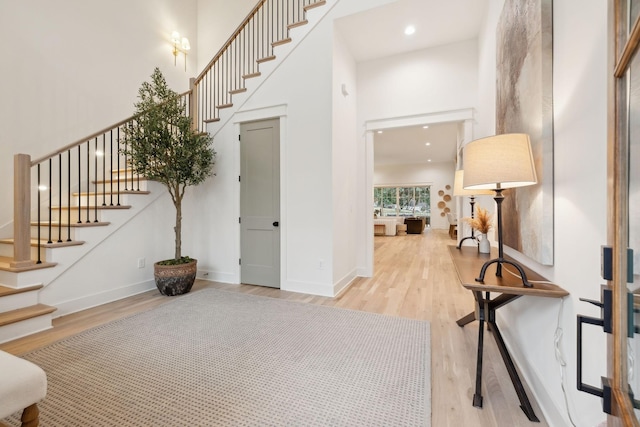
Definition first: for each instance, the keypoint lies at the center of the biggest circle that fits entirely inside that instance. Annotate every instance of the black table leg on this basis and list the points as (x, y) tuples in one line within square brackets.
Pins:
[(525, 405), (477, 396)]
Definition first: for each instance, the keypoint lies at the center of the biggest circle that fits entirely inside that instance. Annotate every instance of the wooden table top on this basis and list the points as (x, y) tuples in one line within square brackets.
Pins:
[(468, 263)]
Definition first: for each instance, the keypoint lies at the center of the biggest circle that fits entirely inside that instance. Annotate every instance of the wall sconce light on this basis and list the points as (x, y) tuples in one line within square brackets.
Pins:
[(180, 44)]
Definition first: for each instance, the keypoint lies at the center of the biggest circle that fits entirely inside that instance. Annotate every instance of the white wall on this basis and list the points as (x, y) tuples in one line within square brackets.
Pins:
[(580, 120), (431, 80), (70, 68), (215, 28), (437, 175), (344, 158), (302, 93)]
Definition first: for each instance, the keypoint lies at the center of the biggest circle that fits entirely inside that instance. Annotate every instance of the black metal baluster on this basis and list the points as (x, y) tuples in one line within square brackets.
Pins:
[(60, 198), (118, 172), (39, 244), (88, 181), (68, 195), (111, 168), (50, 200), (104, 169), (95, 180), (79, 185)]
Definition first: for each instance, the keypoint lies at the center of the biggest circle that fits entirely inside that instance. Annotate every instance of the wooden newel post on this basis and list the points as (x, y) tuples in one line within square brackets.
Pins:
[(21, 211), (193, 103)]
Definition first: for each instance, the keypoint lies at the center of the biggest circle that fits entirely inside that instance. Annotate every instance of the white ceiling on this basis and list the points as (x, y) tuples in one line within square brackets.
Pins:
[(379, 32), (408, 145)]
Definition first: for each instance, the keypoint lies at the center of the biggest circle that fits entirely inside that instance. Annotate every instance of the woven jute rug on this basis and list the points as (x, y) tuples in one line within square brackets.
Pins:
[(220, 358)]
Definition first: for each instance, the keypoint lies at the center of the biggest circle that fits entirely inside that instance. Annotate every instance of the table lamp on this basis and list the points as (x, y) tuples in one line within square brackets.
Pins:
[(458, 190), (496, 163)]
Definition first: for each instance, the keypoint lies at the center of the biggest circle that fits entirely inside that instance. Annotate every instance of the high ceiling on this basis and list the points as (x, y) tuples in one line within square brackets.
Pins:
[(408, 145), (379, 33)]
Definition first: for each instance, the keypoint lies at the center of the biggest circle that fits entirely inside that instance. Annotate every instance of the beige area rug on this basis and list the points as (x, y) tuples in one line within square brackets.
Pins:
[(219, 358)]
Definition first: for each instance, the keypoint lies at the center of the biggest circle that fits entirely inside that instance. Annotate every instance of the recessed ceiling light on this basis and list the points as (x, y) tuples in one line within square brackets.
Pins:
[(379, 131), (429, 160), (425, 127), (410, 30), (427, 144)]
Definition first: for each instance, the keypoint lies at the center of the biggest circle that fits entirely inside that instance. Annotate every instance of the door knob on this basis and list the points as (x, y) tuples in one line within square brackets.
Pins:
[(276, 223)]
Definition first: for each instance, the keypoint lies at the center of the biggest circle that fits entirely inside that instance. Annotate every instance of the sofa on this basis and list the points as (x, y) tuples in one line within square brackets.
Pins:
[(415, 225)]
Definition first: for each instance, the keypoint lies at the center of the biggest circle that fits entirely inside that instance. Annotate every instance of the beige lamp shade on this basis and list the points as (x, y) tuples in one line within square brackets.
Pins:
[(500, 161), (458, 189)]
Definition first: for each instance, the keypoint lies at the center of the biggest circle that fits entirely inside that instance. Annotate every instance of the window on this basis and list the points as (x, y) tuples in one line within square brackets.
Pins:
[(402, 201)]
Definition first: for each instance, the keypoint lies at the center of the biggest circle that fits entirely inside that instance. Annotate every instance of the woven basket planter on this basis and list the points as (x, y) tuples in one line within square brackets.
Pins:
[(175, 279)]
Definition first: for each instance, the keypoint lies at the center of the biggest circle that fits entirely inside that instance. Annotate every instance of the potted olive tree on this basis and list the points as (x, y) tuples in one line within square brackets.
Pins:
[(161, 145)]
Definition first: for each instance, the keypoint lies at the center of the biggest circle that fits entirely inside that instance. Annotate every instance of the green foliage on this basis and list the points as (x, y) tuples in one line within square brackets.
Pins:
[(161, 145)]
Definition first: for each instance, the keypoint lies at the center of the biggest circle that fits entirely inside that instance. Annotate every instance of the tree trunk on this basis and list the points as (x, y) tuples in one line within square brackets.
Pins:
[(178, 227)]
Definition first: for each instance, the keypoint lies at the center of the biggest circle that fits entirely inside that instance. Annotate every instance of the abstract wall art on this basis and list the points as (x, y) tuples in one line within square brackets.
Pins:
[(524, 104)]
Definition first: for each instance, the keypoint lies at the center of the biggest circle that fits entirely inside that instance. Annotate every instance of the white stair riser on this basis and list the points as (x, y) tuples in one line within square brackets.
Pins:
[(25, 327), (124, 185), (6, 250), (84, 201), (16, 301), (24, 279), (73, 215), (44, 232)]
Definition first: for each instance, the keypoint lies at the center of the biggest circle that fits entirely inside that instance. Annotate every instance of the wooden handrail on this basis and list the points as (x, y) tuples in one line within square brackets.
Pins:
[(230, 40), (81, 141), (93, 135)]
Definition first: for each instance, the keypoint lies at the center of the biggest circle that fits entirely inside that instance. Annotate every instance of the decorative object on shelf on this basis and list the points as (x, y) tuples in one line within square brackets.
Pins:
[(524, 94), (458, 190), (442, 204), (484, 247), (496, 163)]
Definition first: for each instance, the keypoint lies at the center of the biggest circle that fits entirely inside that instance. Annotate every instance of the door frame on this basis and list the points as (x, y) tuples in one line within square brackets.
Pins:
[(464, 115), (278, 112)]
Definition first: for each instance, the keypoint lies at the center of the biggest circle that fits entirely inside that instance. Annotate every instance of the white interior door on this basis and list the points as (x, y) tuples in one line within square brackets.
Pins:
[(260, 203)]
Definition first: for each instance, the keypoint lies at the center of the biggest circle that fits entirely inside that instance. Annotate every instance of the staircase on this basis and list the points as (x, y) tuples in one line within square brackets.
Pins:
[(84, 192), (58, 243)]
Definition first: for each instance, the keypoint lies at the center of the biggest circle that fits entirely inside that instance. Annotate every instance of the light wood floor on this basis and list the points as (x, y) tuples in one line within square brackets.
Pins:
[(414, 277)]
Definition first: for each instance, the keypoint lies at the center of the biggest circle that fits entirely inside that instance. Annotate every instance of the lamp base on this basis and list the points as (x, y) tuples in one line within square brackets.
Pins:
[(474, 238), (501, 261)]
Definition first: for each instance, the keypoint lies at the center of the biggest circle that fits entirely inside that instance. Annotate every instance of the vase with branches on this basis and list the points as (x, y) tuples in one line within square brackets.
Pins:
[(482, 222)]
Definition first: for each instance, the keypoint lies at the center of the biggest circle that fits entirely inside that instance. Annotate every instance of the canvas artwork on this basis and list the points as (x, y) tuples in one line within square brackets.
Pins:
[(524, 105)]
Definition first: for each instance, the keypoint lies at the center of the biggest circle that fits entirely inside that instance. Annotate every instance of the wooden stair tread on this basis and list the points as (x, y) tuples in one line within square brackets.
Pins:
[(314, 5), (123, 178), (266, 59), (219, 107), (46, 244), (13, 316), (73, 224), (281, 42), (5, 290), (298, 24), (103, 207), (106, 193), (237, 91), (215, 119), (5, 265), (252, 75)]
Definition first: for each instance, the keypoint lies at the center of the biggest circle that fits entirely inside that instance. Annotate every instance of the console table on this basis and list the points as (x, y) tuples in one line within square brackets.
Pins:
[(468, 262)]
